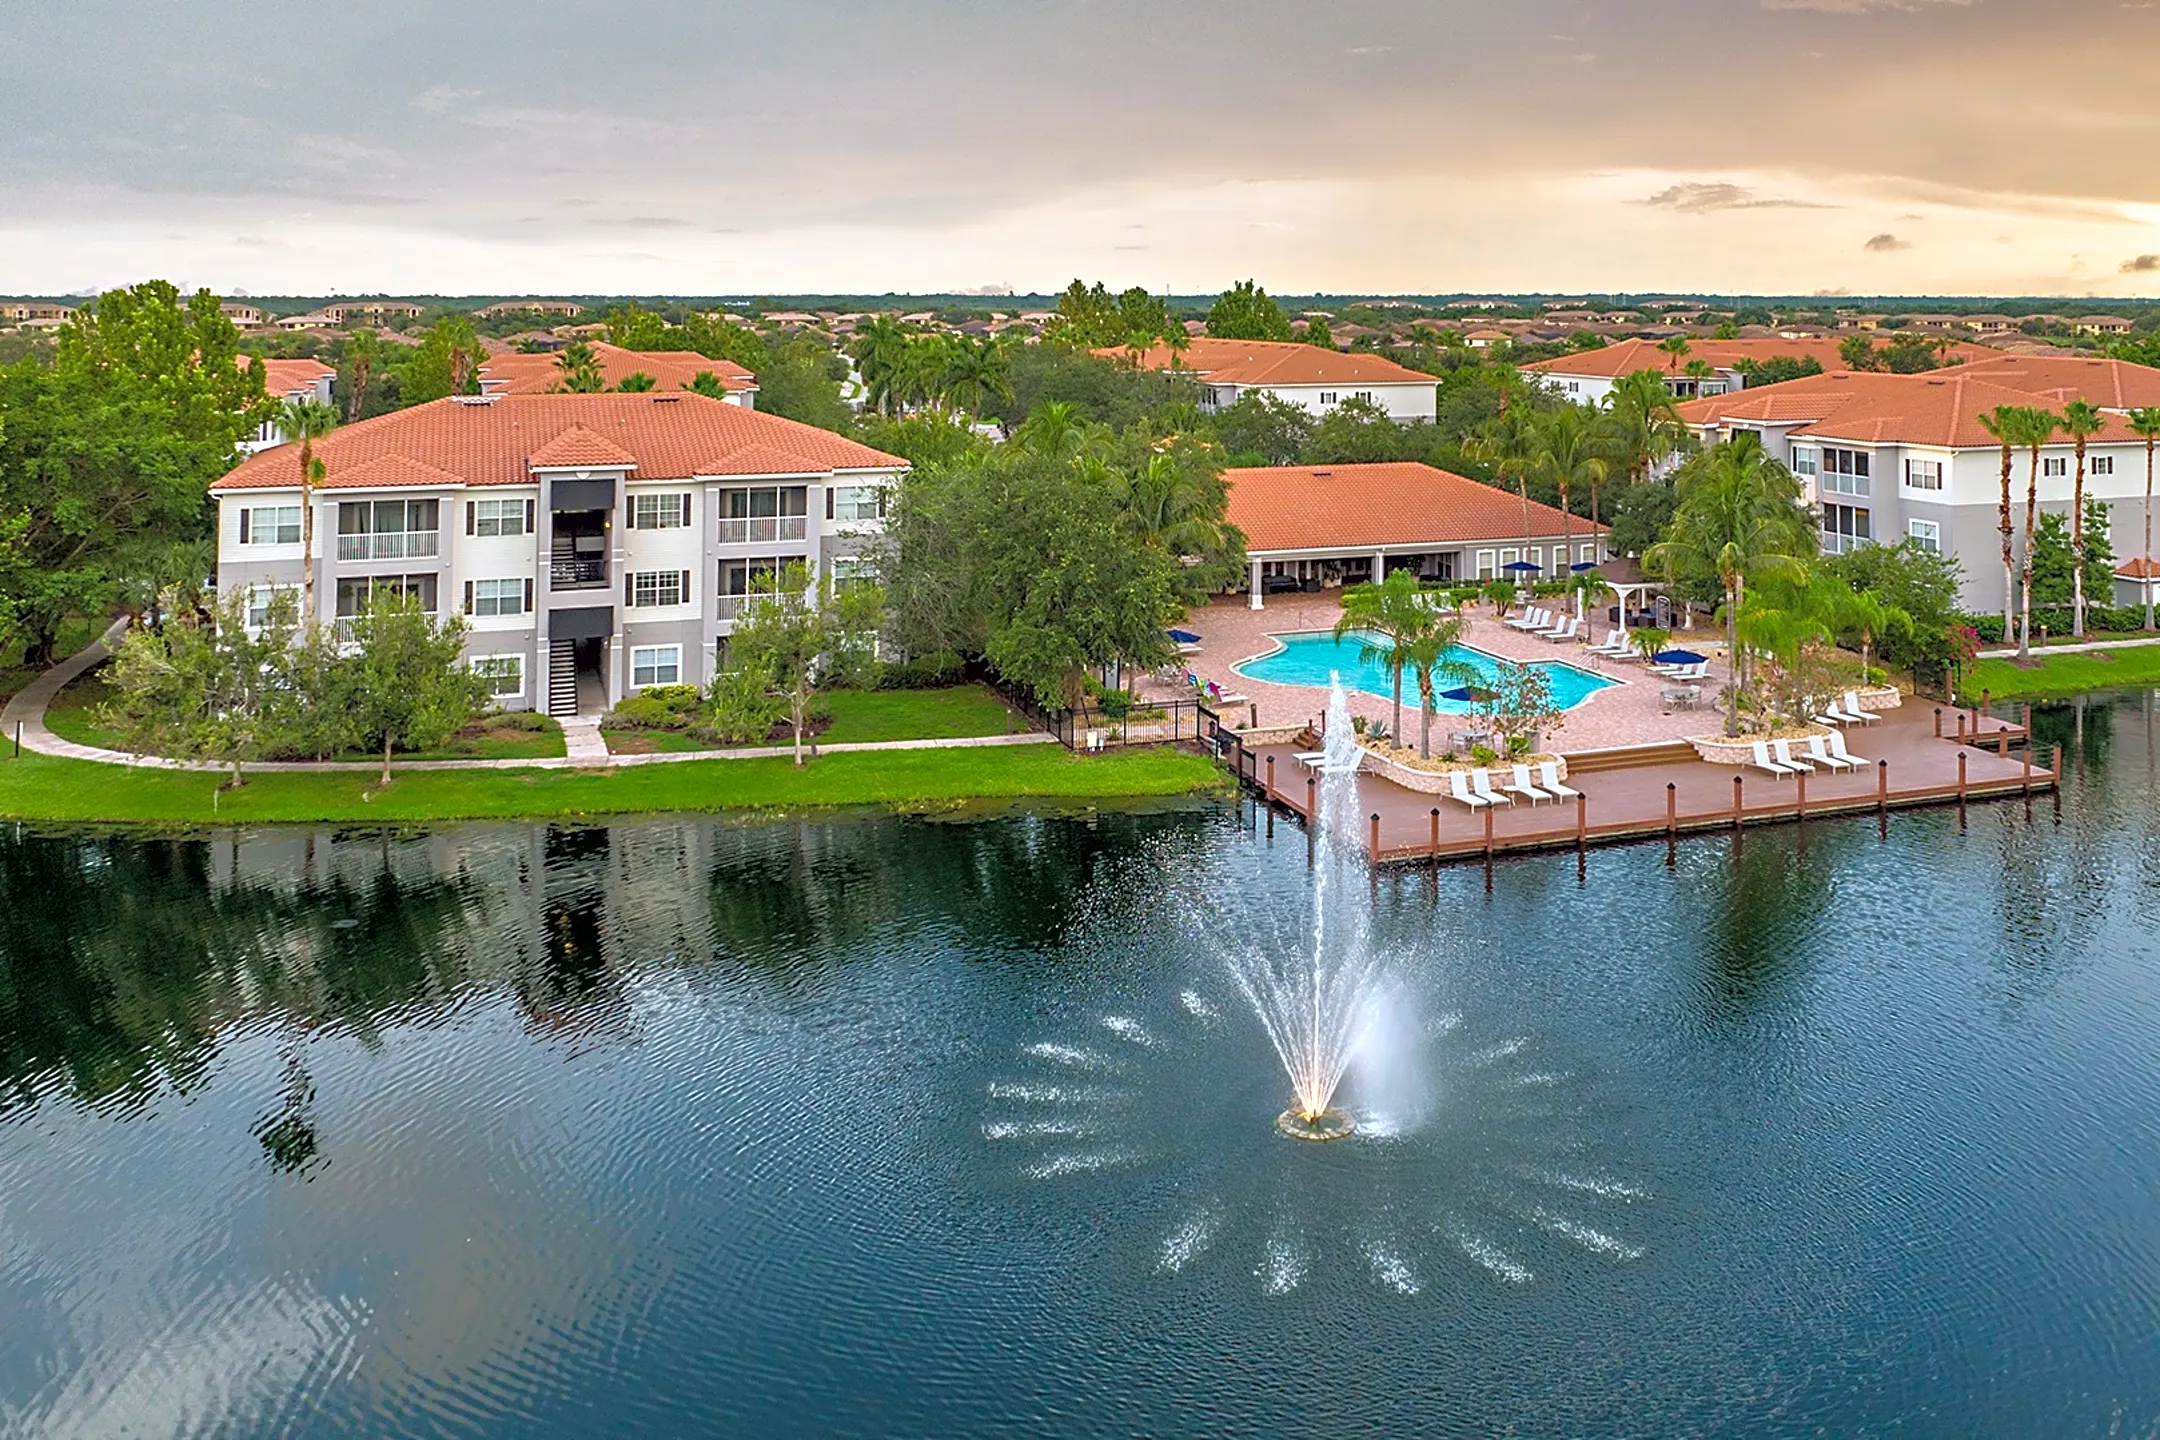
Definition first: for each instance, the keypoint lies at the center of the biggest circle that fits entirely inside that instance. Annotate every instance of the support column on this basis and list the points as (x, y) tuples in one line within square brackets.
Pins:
[(1379, 566), (1255, 585)]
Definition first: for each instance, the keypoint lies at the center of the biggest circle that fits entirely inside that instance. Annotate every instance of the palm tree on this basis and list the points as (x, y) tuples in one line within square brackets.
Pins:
[(307, 421), (1567, 455), (2145, 424), (878, 350), (974, 373), (361, 351), (1739, 517), (2002, 423), (1676, 348), (2036, 427), (580, 370), (1642, 427), (1055, 429), (1698, 371), (1394, 608), (1508, 442), (2080, 418), (1426, 652), (1164, 504), (1872, 617)]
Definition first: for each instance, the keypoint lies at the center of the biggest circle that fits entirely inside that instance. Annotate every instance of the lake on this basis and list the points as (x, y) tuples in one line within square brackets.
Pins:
[(927, 1127)]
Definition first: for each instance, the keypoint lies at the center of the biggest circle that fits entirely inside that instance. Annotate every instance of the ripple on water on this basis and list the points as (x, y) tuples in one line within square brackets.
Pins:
[(1076, 1056), (1282, 1267), (1493, 1259), (1127, 1028), (1187, 1242), (1583, 1235), (1389, 1268)]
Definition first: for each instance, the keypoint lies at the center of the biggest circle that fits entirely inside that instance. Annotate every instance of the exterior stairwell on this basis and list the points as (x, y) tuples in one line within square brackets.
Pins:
[(562, 686)]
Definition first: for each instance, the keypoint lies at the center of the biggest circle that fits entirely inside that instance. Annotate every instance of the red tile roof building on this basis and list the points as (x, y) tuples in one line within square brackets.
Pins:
[(541, 374), (1587, 376), (1312, 376)]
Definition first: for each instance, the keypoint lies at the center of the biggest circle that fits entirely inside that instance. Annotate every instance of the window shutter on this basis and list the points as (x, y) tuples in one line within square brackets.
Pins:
[(244, 526), (685, 591), (529, 516), (686, 510), (828, 502), (471, 509), (468, 597), (627, 590), (528, 594)]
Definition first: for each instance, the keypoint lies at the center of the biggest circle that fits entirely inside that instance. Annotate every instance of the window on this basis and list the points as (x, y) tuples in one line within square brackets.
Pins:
[(354, 591), (659, 512), (1804, 461), (270, 525), (388, 529), (2101, 465), (656, 665), (2054, 466), (1585, 554), (1365, 395), (505, 674), (499, 517), (740, 580), (1845, 527), (855, 502), (764, 513), (1844, 472), (850, 570), (660, 587), (1485, 570), (497, 597), (1923, 474), (1927, 534), (1327, 397), (259, 600)]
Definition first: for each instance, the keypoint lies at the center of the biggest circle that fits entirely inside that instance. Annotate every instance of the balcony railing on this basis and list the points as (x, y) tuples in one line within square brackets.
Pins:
[(754, 528), (390, 545), (577, 574)]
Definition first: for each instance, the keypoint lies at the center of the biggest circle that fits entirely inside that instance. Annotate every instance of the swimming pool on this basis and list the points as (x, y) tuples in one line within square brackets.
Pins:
[(1311, 659)]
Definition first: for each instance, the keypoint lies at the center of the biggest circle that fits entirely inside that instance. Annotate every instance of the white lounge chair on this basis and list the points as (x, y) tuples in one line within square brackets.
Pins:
[(1481, 784), (1852, 708), (1614, 644), (1836, 743), (1563, 632), (1531, 619), (1523, 787), (1459, 789), (1549, 781), (1781, 751), (1817, 753), (1761, 761), (1831, 714)]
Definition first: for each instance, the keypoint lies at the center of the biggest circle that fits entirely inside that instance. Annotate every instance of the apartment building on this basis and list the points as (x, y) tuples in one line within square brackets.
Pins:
[(518, 373), (1890, 458), (597, 544), (288, 380), (1589, 377), (1310, 376)]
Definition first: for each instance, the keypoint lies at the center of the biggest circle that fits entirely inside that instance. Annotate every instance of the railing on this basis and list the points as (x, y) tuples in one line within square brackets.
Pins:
[(577, 574), (390, 545), (1146, 722), (761, 528)]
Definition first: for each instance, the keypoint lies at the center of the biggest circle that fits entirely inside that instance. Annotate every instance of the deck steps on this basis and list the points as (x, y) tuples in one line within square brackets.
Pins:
[(1624, 757)]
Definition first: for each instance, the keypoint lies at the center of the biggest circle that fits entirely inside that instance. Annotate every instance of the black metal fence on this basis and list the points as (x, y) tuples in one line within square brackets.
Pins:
[(1146, 722)]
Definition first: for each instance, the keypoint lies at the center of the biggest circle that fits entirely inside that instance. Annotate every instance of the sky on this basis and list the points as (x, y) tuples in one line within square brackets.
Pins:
[(745, 147)]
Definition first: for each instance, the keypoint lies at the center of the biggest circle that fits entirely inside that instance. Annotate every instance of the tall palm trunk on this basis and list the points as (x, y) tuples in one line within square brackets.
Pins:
[(1733, 585), (1395, 716), (2077, 545), (1567, 542), (2009, 561), (2032, 519), (1424, 729)]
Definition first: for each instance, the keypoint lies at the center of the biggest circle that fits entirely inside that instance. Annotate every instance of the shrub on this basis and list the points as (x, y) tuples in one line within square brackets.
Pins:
[(925, 672), (641, 712), (1483, 754), (744, 710), (530, 721)]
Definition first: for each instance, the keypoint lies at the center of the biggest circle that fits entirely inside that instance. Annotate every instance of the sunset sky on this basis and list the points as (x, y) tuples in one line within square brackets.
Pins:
[(1418, 146)]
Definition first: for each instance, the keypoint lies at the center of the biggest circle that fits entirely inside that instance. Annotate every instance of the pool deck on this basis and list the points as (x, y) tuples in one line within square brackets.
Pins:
[(1630, 712)]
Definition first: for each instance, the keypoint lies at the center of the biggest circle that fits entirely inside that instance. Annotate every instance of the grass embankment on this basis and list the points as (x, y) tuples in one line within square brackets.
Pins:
[(73, 715), (868, 715), (2127, 667), (39, 787)]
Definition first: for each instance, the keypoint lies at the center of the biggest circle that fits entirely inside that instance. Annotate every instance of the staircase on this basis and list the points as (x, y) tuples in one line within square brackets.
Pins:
[(562, 686)]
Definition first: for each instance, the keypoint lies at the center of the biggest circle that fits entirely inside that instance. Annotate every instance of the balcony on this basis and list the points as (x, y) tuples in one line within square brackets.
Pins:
[(758, 528), (577, 574), (390, 545)]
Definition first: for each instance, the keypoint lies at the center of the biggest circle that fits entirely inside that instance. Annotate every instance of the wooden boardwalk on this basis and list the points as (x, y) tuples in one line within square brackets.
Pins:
[(1657, 791)]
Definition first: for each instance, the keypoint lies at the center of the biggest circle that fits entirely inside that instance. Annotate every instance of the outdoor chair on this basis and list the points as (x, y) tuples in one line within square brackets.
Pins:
[(1761, 761), (1781, 751), (1459, 789), (1836, 742), (1836, 716), (1819, 753), (1852, 708), (1522, 786), (1481, 784), (1549, 781), (1531, 619), (1568, 630)]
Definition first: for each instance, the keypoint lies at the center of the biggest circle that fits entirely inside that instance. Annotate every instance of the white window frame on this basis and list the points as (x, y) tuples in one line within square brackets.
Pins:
[(498, 597), (259, 600), (2099, 465), (1927, 534), (1488, 565), (498, 668), (2054, 467), (1327, 397), (667, 511), (1806, 460), (1921, 474), (651, 661), (1832, 480), (507, 517), (854, 504), (255, 527), (649, 588)]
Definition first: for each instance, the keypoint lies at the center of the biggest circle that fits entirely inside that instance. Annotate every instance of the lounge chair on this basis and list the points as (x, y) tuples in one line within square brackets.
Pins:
[(1233, 699), (1481, 784), (1836, 742), (1835, 716), (1459, 789), (1781, 751), (1531, 619), (1852, 708), (1565, 631), (1614, 644), (1522, 786), (1818, 753), (1549, 781), (1761, 761)]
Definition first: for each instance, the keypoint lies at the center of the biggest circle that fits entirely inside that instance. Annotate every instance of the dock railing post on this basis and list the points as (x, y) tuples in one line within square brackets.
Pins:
[(1986, 702), (1271, 779), (1582, 820), (1961, 727), (1739, 782), (1961, 777), (2055, 772), (1436, 834), (1882, 787), (1252, 714), (1800, 796), (1375, 837), (1488, 835), (1938, 722), (1672, 811), (1312, 800), (2025, 781)]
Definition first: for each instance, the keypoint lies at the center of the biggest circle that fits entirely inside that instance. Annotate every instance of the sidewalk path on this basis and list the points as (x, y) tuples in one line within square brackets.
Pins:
[(2043, 651), (587, 750)]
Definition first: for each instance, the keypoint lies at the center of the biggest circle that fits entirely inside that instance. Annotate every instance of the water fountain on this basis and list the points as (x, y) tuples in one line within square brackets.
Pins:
[(1314, 1001)]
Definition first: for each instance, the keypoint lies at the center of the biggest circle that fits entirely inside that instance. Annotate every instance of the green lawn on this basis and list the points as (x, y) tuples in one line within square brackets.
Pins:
[(73, 715), (38, 787), (871, 715), (2127, 668)]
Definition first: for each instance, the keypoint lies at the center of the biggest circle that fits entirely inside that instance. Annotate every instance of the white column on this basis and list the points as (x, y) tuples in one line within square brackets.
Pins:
[(1379, 566), (1256, 584)]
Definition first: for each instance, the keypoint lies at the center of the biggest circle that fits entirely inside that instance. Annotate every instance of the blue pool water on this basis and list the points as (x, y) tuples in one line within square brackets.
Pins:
[(1311, 659)]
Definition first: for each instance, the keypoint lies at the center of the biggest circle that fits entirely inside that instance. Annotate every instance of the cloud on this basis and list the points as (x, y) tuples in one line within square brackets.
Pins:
[(2141, 265), (1703, 196), (1858, 7), (1884, 243)]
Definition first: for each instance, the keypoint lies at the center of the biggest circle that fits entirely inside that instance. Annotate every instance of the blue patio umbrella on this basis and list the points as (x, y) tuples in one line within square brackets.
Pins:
[(1184, 637), (1520, 566), (1466, 693), (1581, 566), (1679, 657)]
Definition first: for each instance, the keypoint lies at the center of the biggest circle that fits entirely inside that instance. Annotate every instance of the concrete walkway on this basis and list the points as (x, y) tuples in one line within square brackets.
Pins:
[(587, 750), (2043, 651)]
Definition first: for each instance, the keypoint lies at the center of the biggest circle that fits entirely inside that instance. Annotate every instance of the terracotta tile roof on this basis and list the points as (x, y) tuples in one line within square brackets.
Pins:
[(1628, 356), (2136, 568), (1276, 362), (580, 449), (519, 374), (1938, 407), (669, 436), (389, 472), (289, 377), (1307, 507), (2109, 384)]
